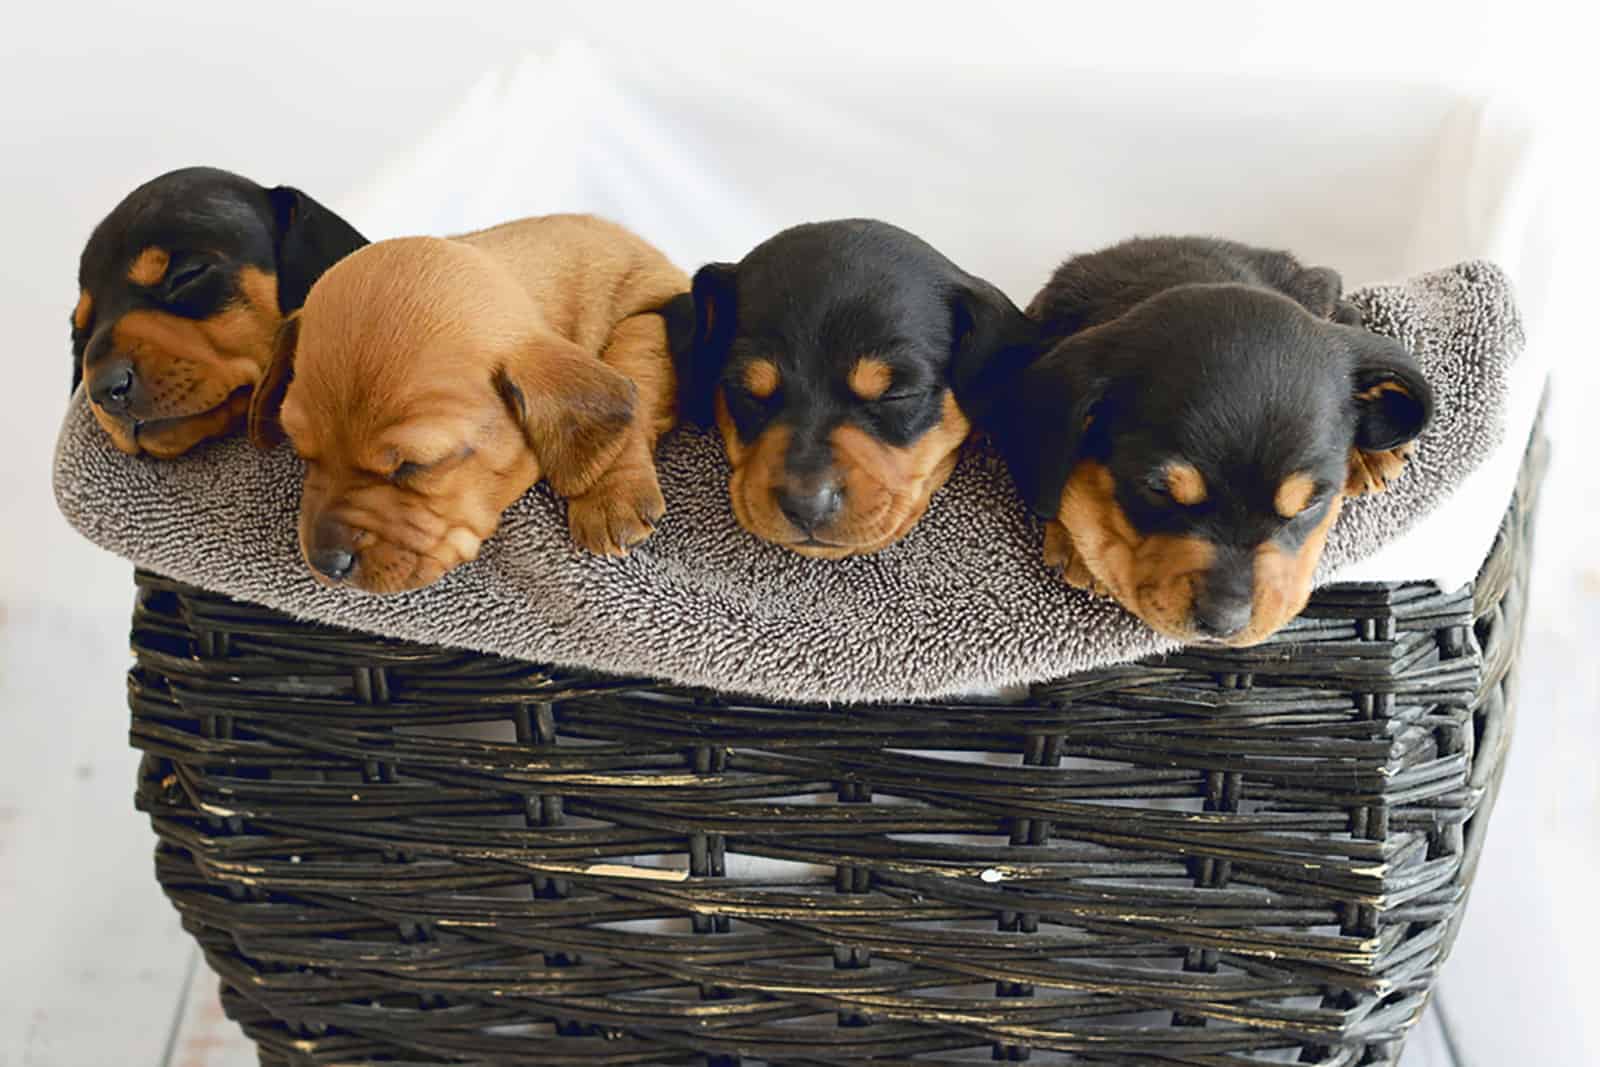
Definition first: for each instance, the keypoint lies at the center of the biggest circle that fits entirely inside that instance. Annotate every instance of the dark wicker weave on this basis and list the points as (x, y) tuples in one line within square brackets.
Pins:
[(1219, 858)]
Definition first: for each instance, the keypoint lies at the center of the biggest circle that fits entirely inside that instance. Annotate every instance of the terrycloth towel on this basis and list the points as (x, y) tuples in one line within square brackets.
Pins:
[(963, 604)]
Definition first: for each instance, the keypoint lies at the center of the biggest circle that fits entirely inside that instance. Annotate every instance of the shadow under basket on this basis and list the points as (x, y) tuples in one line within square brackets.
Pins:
[(393, 853)]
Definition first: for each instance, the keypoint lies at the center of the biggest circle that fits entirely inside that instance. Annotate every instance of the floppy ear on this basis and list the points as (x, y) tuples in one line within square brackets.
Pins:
[(1393, 400), (261, 424), (714, 303), (574, 410), (678, 313), (991, 340), (308, 239), (1042, 419)]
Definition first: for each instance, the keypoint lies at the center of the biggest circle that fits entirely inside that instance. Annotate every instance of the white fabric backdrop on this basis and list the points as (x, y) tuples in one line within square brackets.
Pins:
[(1009, 175)]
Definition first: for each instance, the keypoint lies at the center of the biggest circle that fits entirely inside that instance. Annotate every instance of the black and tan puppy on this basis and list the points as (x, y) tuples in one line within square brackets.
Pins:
[(181, 290), (824, 359), (1200, 412)]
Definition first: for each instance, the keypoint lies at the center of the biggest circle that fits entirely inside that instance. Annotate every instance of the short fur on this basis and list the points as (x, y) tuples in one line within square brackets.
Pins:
[(1234, 368), (831, 360), (429, 382), (181, 290)]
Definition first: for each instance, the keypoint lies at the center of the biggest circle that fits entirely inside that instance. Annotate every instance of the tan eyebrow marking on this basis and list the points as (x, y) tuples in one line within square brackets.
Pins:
[(870, 378), (1186, 484), (1294, 494), (84, 308), (149, 267), (761, 378)]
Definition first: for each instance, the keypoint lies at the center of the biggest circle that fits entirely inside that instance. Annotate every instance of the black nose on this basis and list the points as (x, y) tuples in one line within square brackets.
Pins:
[(810, 506), (329, 550), (113, 384), (335, 563), (1221, 617)]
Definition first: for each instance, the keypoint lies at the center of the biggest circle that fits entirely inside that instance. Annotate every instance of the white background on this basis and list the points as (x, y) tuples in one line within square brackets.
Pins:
[(94, 99)]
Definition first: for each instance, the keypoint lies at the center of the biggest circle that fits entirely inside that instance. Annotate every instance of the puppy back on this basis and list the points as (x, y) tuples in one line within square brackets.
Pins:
[(585, 274), (1097, 287)]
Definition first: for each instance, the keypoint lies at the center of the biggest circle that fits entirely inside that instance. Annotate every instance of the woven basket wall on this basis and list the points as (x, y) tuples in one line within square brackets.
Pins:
[(400, 854)]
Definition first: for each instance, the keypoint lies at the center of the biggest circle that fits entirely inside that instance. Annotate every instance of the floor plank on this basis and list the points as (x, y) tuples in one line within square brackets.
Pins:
[(1427, 1046), (96, 956), (205, 1037)]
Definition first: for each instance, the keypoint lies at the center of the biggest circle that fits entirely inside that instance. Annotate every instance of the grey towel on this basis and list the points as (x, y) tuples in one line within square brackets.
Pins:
[(963, 604)]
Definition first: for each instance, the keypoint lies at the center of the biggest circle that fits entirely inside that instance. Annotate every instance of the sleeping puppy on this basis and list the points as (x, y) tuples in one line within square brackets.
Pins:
[(824, 358), (429, 382), (1200, 413), (181, 290)]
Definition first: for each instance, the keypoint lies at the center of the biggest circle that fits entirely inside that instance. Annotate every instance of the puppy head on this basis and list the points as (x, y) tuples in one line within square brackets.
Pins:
[(824, 359), (1199, 448), (181, 290), (425, 396)]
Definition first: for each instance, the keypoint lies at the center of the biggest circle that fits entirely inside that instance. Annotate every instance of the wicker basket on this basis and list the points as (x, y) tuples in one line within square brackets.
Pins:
[(400, 854)]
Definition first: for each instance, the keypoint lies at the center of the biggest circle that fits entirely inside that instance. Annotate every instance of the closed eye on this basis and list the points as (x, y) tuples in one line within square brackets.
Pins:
[(1313, 509), (1158, 493), (743, 399), (410, 470), (185, 276)]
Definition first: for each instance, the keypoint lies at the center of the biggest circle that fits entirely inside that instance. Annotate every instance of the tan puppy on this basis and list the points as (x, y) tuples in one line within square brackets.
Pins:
[(429, 382)]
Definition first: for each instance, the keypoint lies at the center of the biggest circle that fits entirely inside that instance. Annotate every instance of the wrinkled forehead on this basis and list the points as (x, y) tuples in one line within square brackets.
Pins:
[(844, 316), (225, 220), (369, 422), (1258, 423)]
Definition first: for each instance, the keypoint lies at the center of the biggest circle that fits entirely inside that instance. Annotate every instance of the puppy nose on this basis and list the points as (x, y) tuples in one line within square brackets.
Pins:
[(810, 506), (334, 563), (330, 553), (113, 385), (1221, 617)]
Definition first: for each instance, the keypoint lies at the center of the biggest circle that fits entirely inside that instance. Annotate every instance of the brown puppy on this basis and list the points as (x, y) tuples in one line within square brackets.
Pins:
[(429, 382)]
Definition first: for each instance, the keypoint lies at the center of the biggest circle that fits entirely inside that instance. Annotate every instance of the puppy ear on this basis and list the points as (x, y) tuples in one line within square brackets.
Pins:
[(991, 340), (678, 313), (714, 304), (308, 239), (574, 411), (1043, 419), (1393, 400), (261, 424)]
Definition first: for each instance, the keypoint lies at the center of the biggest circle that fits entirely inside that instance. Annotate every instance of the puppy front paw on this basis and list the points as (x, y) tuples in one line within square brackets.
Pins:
[(618, 513), (1373, 472), (1061, 553)]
